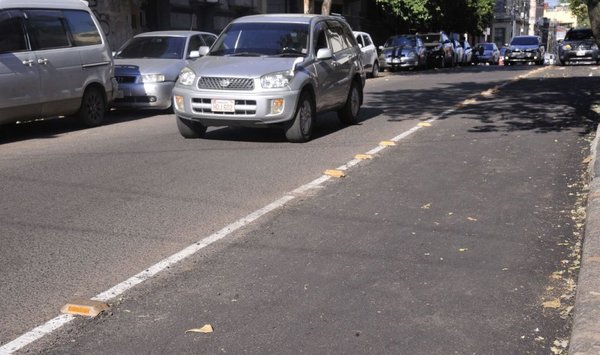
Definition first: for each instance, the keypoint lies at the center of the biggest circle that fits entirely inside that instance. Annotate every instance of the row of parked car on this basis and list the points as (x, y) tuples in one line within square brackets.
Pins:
[(261, 71)]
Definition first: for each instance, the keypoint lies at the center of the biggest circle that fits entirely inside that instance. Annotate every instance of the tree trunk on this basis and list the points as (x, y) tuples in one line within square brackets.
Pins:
[(594, 11), (309, 6), (326, 8)]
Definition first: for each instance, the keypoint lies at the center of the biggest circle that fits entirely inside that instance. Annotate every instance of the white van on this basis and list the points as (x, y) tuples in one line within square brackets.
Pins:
[(54, 61)]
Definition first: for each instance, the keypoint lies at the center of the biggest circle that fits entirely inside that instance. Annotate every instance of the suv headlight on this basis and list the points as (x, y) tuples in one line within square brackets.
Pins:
[(276, 80), (567, 47), (186, 76), (153, 78)]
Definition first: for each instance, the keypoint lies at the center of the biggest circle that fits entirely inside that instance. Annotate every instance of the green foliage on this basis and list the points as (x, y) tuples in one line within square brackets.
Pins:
[(580, 10), (471, 16)]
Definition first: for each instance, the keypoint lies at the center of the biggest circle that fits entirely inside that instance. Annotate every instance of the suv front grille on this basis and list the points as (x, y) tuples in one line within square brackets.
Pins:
[(221, 83)]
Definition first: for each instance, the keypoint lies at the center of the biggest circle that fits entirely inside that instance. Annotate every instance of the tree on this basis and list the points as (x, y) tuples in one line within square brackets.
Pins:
[(594, 13), (461, 16), (309, 6), (579, 8), (326, 8)]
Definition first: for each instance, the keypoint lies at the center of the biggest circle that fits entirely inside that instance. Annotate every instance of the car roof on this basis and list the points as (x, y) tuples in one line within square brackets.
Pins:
[(289, 18), (172, 33), (55, 4)]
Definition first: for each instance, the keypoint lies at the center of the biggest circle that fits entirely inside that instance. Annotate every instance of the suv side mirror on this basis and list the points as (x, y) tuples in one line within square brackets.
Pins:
[(202, 51), (324, 53)]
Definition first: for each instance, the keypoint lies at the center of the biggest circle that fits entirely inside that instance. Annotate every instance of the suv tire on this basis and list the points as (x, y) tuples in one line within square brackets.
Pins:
[(299, 130), (349, 113), (189, 128), (92, 109)]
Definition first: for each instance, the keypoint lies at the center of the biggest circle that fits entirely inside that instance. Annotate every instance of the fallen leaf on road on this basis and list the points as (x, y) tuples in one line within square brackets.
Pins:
[(472, 219), (463, 249), (552, 304), (426, 207), (424, 124), (587, 159), (207, 328)]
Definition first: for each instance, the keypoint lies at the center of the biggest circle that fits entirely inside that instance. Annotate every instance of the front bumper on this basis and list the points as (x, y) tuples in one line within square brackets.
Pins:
[(251, 109), (524, 57), (144, 95), (579, 55), (400, 62)]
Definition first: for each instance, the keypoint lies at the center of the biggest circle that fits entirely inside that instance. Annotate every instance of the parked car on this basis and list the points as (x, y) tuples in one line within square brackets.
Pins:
[(54, 61), (525, 49), (468, 56), (440, 50), (403, 51), (369, 53), (578, 45), (276, 70), (459, 52), (148, 65), (487, 53)]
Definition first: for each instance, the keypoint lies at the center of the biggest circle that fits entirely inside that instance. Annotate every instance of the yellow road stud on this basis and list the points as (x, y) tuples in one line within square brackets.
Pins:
[(424, 124), (84, 307), (334, 173), (387, 143), (363, 156)]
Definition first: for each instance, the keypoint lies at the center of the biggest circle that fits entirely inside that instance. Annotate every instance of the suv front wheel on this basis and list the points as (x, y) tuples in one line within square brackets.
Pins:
[(189, 128), (300, 128)]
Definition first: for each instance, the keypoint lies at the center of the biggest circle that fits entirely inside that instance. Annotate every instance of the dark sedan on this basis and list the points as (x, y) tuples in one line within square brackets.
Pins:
[(486, 53), (440, 49), (579, 45), (403, 51), (525, 49)]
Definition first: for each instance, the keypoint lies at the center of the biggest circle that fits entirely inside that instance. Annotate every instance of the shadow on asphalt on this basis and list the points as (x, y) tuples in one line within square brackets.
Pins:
[(51, 128), (533, 104)]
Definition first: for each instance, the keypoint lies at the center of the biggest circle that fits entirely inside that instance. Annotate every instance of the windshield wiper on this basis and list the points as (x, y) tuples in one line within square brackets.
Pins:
[(246, 54), (291, 54)]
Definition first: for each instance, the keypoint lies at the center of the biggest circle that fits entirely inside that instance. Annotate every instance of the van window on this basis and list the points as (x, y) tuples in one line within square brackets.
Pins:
[(12, 35), (47, 29), (83, 28)]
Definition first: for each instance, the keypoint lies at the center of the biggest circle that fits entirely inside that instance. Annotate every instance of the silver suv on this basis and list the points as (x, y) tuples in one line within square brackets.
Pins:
[(272, 70)]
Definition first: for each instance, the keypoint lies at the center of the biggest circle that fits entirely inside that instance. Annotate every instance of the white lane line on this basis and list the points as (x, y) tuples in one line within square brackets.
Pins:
[(61, 320)]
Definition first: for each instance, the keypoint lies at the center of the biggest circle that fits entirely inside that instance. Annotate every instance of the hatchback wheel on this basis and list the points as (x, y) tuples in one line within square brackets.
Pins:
[(349, 113), (299, 130), (93, 107), (189, 128)]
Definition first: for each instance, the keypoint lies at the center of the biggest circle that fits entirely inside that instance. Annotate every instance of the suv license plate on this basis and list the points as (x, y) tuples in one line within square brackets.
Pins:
[(580, 53), (222, 105)]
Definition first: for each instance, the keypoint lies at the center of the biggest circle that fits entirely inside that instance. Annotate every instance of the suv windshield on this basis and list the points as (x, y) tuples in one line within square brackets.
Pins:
[(258, 39), (524, 41), (153, 47), (578, 35), (401, 41)]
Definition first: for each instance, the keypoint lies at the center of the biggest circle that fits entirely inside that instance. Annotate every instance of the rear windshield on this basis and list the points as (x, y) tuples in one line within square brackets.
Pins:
[(431, 38), (401, 41), (524, 41), (153, 47), (258, 39), (579, 35)]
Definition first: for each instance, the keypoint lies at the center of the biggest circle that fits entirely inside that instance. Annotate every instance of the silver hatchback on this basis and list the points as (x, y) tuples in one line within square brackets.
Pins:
[(272, 70)]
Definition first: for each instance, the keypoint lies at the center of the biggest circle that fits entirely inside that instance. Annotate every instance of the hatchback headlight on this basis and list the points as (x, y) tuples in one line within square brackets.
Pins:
[(187, 76), (153, 78), (276, 80), (567, 47)]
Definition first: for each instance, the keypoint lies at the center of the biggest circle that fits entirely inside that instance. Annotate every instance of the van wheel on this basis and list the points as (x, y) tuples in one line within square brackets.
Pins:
[(375, 71), (93, 107), (189, 128), (299, 130), (349, 113)]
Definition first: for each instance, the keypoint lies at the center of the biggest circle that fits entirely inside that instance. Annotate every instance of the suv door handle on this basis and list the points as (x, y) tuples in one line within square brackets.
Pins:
[(43, 61), (28, 62)]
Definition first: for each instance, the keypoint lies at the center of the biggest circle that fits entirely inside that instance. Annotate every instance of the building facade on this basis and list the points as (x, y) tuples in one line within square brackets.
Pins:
[(516, 18)]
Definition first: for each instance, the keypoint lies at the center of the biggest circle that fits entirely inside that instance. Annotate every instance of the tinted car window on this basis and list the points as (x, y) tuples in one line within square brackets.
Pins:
[(579, 35), (12, 35), (524, 41), (83, 29), (153, 47), (262, 39), (431, 38), (209, 40), (367, 40), (47, 29)]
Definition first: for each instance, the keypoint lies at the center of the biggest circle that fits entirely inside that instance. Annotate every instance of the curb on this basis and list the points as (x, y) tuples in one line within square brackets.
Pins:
[(585, 335)]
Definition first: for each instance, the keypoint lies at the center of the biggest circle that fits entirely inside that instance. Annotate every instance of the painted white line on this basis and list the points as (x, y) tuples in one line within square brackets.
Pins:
[(59, 321), (36, 334)]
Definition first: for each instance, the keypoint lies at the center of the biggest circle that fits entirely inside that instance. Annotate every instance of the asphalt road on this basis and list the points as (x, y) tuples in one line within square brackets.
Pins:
[(495, 181)]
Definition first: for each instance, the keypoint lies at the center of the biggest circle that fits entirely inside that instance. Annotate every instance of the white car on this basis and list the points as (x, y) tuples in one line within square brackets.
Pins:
[(369, 53)]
